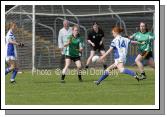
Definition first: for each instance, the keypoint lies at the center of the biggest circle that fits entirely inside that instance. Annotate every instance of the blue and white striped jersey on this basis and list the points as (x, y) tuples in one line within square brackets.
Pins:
[(120, 47), (10, 48)]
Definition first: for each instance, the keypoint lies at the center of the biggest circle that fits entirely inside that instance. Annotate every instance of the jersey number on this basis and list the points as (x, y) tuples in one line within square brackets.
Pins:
[(122, 45)]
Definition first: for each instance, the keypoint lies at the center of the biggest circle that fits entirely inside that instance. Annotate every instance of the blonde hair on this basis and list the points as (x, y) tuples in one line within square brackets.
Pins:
[(75, 26), (9, 25)]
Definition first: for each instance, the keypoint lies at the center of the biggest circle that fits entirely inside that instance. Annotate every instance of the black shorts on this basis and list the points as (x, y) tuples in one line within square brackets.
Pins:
[(147, 55), (99, 48), (73, 58)]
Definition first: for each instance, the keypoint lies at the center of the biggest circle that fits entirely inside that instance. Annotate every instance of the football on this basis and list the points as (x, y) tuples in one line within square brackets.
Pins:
[(95, 59)]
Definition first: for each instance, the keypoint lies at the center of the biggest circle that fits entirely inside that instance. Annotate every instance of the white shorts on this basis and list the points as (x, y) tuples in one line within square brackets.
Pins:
[(10, 58), (120, 60)]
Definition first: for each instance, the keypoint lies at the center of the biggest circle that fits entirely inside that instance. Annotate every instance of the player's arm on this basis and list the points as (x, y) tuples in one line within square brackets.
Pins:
[(151, 36), (13, 42), (131, 36), (81, 46), (89, 40), (68, 41), (102, 38), (81, 49), (105, 55), (16, 43), (136, 42)]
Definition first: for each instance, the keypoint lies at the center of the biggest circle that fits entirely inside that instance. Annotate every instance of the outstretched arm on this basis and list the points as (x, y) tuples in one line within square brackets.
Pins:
[(16, 43), (136, 42), (13, 42), (104, 56), (90, 42), (68, 42)]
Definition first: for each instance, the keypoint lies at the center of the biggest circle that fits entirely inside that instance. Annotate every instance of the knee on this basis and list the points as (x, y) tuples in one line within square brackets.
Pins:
[(137, 60), (121, 70), (91, 56), (106, 72), (12, 67), (79, 67)]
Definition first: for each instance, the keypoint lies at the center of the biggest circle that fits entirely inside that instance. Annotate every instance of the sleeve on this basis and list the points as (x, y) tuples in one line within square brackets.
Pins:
[(10, 37), (81, 44), (102, 33), (113, 44), (151, 36), (134, 36), (60, 40), (68, 38), (89, 36)]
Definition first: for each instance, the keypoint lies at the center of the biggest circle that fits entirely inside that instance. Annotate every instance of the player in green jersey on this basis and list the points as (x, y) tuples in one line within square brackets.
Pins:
[(146, 39), (74, 48)]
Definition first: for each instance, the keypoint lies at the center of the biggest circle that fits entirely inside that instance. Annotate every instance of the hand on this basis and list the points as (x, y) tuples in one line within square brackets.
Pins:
[(80, 50), (93, 44), (143, 42), (21, 44), (65, 45), (101, 59)]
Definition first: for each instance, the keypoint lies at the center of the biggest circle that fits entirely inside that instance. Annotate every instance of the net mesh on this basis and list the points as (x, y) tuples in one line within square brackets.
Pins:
[(48, 22)]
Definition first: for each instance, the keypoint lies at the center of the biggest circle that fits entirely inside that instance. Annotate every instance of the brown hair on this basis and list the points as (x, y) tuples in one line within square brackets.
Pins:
[(11, 24), (117, 29)]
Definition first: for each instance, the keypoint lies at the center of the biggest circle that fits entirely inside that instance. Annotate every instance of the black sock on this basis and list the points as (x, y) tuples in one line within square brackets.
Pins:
[(86, 66), (79, 77), (63, 77), (143, 73), (105, 66)]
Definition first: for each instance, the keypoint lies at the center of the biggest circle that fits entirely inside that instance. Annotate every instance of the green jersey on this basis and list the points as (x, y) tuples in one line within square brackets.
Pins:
[(73, 48), (147, 38)]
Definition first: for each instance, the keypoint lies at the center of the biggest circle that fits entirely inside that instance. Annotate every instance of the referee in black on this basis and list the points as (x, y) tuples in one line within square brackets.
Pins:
[(95, 40)]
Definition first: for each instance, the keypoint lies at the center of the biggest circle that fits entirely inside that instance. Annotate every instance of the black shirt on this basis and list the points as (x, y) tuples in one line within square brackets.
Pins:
[(95, 37)]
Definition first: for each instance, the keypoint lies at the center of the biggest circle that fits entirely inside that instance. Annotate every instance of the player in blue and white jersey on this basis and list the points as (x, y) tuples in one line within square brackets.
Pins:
[(11, 54), (120, 47)]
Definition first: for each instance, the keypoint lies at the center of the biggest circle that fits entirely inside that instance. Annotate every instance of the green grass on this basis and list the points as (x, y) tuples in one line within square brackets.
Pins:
[(47, 90)]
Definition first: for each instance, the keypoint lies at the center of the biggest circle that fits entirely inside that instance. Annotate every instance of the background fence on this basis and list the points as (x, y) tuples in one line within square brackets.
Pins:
[(48, 21)]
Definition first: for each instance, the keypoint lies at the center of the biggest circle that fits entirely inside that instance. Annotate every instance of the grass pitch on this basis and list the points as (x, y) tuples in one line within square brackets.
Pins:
[(47, 90)]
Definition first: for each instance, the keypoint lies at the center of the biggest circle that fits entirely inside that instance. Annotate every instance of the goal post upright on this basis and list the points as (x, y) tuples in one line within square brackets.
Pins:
[(33, 39)]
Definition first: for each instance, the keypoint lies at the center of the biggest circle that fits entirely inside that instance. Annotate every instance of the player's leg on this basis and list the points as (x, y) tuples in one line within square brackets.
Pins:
[(92, 53), (10, 60), (151, 62), (67, 64), (123, 70), (62, 61), (15, 70), (105, 74), (138, 61), (9, 68), (102, 52), (12, 66), (79, 66)]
